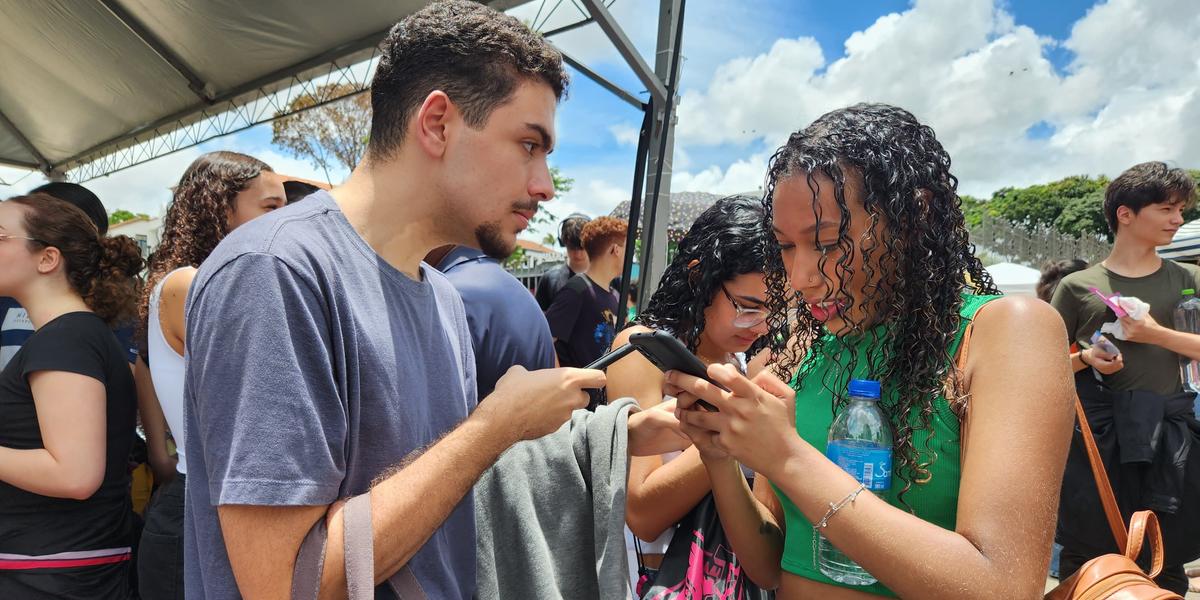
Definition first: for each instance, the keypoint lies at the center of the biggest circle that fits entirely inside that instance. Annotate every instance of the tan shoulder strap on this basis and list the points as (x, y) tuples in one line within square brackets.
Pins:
[(1103, 487)]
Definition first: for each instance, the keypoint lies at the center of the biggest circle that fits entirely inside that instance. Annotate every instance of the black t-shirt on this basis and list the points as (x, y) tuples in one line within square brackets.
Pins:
[(33, 524), (550, 284), (583, 320)]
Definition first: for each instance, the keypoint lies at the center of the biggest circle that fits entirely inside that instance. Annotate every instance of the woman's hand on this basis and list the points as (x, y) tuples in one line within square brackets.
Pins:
[(656, 431), (756, 423)]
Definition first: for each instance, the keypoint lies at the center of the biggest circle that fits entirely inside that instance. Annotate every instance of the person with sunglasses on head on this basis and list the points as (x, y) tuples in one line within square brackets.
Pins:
[(67, 406), (711, 297)]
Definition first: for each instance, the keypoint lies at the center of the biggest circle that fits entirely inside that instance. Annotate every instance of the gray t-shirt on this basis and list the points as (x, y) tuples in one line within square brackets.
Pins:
[(313, 367)]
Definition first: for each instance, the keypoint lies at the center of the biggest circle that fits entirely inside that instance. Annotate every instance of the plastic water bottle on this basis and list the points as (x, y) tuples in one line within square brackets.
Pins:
[(860, 441), (1187, 320)]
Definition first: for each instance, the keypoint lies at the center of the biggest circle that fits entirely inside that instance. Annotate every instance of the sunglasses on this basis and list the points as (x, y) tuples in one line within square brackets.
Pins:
[(745, 317)]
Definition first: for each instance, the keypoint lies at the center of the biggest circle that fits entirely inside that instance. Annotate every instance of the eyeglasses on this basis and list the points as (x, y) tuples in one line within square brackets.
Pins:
[(4, 237), (745, 317)]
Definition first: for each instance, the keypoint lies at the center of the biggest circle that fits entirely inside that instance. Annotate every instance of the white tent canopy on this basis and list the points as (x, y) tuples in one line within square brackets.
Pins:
[(1014, 279), (85, 78), (1185, 245)]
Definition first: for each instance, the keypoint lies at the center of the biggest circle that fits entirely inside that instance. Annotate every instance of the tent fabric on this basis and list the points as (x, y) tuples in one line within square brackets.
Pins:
[(1014, 279), (80, 76), (1185, 245)]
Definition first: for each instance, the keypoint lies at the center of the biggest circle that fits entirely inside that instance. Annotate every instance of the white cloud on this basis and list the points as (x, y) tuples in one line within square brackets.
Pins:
[(624, 133), (742, 176), (1131, 93)]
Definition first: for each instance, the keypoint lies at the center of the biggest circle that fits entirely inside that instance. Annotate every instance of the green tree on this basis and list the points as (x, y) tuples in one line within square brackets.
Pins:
[(326, 135), (1042, 204), (973, 210), (1083, 216), (513, 262), (121, 215)]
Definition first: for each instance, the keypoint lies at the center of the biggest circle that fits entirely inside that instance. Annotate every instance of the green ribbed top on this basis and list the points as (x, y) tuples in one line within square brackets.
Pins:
[(935, 501)]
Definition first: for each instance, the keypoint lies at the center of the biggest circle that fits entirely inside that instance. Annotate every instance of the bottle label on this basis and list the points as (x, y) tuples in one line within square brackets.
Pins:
[(870, 464)]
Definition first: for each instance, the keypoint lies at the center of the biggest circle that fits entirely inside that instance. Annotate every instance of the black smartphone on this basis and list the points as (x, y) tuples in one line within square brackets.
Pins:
[(669, 354), (613, 356)]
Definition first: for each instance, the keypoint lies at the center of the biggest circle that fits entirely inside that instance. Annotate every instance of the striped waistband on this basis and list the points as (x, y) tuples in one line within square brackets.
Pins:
[(85, 558)]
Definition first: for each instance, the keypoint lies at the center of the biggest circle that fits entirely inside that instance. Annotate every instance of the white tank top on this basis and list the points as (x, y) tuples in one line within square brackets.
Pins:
[(167, 370)]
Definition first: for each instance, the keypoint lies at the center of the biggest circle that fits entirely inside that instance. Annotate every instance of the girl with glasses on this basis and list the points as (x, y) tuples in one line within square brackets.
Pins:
[(712, 298)]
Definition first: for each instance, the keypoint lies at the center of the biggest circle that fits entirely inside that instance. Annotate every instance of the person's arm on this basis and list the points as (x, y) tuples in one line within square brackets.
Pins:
[(658, 495), (1148, 331), (410, 504), (752, 519), (1020, 428), (71, 416), (171, 307), (154, 424), (277, 396)]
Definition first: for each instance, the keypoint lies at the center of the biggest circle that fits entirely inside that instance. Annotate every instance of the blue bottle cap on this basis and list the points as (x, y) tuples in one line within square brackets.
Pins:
[(864, 388)]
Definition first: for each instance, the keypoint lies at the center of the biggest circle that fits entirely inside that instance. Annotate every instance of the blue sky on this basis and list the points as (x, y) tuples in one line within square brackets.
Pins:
[(1019, 91)]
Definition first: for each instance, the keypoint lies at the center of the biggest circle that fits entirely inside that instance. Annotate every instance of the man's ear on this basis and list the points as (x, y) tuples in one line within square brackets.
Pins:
[(430, 125), (1125, 215)]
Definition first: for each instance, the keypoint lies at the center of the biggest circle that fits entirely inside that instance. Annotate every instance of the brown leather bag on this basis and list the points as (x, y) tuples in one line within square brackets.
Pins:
[(1116, 576)]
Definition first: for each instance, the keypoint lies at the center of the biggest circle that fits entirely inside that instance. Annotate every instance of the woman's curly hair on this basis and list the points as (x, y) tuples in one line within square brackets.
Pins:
[(198, 218), (725, 241), (916, 256)]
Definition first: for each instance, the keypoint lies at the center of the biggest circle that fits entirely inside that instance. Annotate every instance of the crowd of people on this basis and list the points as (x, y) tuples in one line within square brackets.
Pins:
[(343, 391)]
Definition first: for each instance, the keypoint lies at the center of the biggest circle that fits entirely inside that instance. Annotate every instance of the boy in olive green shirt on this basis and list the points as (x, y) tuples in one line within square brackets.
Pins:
[(1144, 208)]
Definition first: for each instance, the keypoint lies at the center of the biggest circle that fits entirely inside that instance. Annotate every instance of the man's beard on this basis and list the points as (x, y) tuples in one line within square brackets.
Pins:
[(491, 241)]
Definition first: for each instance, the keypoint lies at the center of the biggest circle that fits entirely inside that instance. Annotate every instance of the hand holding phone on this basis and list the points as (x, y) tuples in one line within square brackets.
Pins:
[(664, 352), (669, 354)]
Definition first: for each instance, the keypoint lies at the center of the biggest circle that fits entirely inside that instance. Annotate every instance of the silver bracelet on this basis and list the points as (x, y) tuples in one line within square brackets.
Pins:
[(833, 508)]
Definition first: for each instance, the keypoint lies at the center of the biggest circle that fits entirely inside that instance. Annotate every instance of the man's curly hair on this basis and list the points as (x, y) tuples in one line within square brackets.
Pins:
[(477, 56), (599, 233), (916, 256)]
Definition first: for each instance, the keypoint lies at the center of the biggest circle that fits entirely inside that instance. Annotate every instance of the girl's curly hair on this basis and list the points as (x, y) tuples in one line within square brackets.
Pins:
[(916, 256), (725, 241), (198, 218)]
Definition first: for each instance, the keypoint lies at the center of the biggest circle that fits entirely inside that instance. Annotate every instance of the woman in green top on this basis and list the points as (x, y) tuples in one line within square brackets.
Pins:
[(872, 253)]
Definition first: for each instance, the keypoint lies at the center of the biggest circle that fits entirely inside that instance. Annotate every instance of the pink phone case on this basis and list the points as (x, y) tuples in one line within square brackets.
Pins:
[(1110, 301)]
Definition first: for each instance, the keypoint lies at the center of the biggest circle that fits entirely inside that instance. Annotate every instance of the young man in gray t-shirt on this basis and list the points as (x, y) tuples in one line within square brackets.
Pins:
[(325, 360)]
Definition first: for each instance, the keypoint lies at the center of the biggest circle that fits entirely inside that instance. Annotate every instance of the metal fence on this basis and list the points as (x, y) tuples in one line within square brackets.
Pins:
[(1034, 245)]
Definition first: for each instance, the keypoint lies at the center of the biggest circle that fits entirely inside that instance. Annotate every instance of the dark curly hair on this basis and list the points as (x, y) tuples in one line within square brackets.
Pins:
[(477, 56), (916, 256), (102, 270), (198, 218), (725, 241)]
